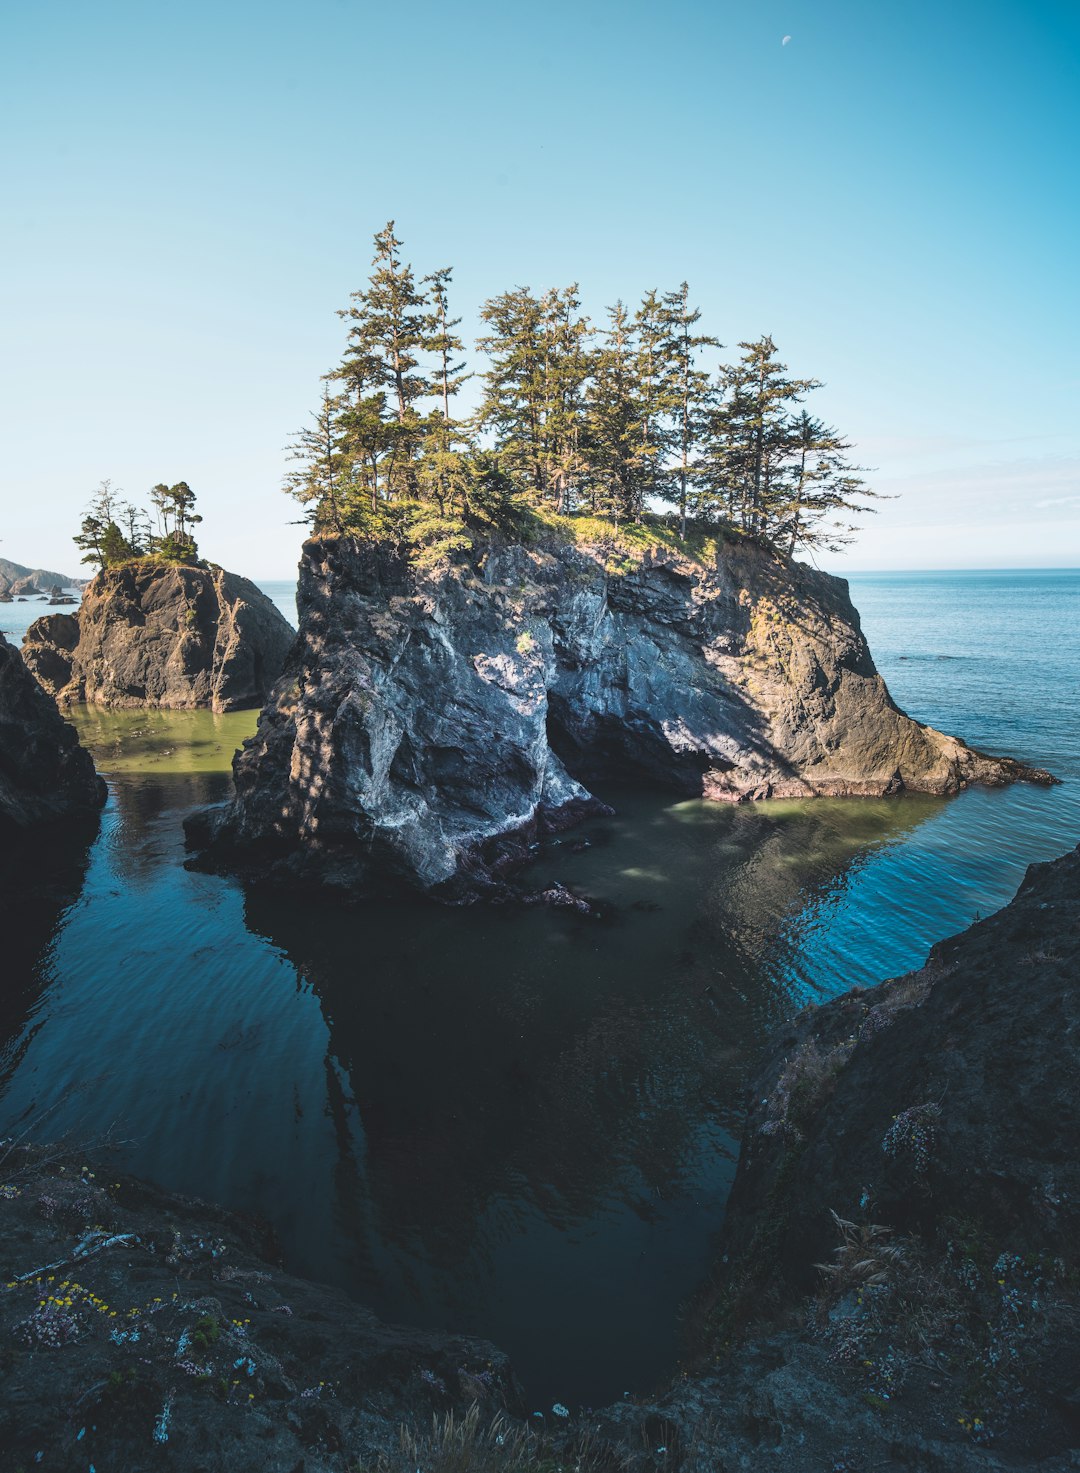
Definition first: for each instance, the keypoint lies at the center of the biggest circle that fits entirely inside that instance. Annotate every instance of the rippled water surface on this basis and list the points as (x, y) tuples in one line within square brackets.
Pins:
[(520, 1124)]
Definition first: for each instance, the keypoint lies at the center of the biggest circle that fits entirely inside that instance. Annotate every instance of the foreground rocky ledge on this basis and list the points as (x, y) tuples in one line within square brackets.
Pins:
[(140, 1329), (45, 775), (430, 724), (157, 634)]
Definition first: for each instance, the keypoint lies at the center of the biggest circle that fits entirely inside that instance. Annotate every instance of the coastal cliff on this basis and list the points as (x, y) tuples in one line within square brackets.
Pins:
[(158, 634), (45, 775), (431, 723)]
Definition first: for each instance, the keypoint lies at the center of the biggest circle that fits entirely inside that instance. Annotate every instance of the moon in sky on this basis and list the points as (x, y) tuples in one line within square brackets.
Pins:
[(785, 40)]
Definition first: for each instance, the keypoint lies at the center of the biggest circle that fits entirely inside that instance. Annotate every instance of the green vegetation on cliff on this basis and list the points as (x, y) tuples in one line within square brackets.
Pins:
[(115, 531), (573, 421)]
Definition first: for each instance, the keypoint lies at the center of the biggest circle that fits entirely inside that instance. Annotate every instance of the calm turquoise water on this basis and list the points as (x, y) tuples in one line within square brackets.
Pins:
[(518, 1124)]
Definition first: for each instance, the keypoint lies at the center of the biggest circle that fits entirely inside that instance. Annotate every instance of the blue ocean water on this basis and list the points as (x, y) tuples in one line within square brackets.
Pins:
[(520, 1125)]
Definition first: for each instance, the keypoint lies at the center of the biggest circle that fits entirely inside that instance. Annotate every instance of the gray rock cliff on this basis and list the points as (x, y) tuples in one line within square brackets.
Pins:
[(155, 634), (45, 775), (429, 724)]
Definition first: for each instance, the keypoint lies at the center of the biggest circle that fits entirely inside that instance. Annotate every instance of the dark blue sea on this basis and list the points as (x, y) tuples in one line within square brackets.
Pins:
[(521, 1125)]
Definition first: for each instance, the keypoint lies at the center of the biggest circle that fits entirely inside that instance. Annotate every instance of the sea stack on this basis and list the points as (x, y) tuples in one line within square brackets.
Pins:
[(161, 634), (431, 722)]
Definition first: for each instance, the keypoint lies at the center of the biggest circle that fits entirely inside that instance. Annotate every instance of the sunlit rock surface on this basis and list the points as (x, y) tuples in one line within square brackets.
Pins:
[(155, 634), (429, 724)]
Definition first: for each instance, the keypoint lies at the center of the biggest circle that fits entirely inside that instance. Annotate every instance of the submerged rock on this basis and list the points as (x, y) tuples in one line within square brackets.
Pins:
[(428, 725), (157, 634), (45, 775)]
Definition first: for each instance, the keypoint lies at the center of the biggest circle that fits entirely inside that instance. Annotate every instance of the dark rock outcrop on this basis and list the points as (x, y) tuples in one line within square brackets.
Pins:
[(45, 775), (429, 724), (141, 1329), (951, 1092), (155, 634), (919, 1138)]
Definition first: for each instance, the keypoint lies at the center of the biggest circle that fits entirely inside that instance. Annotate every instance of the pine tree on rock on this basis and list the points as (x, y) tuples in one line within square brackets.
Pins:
[(513, 406), (688, 387), (615, 446), (823, 483), (386, 339), (748, 437), (566, 370), (319, 481), (447, 441)]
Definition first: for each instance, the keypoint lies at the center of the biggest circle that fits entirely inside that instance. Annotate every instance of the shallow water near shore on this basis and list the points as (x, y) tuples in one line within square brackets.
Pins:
[(518, 1124)]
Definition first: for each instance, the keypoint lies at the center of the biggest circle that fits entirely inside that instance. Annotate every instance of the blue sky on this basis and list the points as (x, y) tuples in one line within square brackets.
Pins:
[(190, 192)]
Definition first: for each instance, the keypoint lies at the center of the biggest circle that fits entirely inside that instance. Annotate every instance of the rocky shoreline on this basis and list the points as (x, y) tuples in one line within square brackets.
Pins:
[(430, 724)]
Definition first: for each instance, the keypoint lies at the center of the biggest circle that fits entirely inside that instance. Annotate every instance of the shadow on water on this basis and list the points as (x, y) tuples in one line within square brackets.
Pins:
[(516, 1123), (41, 878)]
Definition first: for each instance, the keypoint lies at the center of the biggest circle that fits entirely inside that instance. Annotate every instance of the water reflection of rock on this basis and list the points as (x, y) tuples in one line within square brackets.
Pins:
[(40, 879), (547, 1063), (145, 831), (498, 1057), (784, 862)]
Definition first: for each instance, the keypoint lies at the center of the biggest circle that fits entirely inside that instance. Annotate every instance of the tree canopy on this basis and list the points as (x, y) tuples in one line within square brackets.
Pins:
[(115, 531), (638, 415)]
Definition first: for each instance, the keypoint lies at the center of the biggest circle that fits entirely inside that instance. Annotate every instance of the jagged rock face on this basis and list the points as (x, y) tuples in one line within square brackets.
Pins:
[(952, 1092), (45, 775), (158, 635), (427, 724)]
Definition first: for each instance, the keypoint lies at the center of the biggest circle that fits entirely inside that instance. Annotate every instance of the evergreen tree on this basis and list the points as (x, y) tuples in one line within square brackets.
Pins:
[(610, 425), (687, 386), (382, 366), (318, 480), (748, 439), (566, 367), (822, 484), (100, 538), (615, 446), (513, 405), (136, 528), (657, 394), (443, 473)]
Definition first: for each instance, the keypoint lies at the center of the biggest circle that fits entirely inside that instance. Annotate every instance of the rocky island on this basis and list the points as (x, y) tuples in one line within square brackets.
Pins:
[(151, 633), (431, 722)]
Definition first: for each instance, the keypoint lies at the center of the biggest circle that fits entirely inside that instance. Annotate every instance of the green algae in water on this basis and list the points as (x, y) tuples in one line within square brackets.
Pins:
[(162, 742)]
